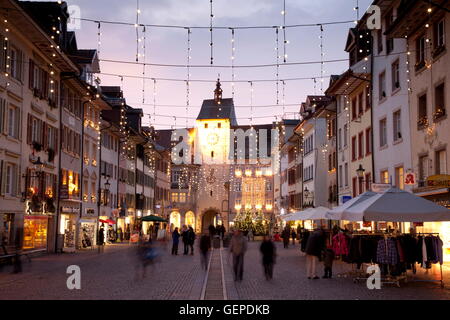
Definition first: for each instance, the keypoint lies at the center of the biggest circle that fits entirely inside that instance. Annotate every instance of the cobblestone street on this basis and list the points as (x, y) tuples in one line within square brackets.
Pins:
[(112, 275)]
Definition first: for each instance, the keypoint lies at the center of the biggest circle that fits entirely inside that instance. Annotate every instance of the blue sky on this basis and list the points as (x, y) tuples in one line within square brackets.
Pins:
[(168, 46)]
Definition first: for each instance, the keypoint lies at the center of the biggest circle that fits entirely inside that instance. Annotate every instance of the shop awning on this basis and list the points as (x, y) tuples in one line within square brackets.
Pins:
[(153, 218)]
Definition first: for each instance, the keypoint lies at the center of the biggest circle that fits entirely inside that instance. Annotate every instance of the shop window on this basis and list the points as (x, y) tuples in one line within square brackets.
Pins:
[(384, 176), (35, 232)]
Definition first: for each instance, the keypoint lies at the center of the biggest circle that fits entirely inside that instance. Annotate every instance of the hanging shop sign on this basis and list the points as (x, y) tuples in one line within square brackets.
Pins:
[(90, 211), (410, 179), (439, 180), (380, 187), (418, 224)]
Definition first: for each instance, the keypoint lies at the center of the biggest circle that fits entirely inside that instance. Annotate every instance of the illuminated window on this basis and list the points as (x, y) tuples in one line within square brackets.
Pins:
[(399, 178), (384, 176)]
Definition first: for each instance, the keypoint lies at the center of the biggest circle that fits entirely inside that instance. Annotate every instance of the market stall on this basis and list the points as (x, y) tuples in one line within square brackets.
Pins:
[(396, 253)]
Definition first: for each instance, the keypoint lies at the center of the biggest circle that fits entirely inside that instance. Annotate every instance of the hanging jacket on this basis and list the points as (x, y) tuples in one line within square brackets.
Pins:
[(387, 252), (340, 245), (316, 243), (424, 254), (439, 252)]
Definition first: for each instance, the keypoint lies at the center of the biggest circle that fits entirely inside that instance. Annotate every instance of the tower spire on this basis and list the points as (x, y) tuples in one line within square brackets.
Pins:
[(218, 92)]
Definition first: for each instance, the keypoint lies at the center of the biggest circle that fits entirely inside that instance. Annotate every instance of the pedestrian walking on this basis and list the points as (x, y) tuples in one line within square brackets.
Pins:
[(191, 239), (185, 239), (286, 235), (175, 241), (101, 239), (205, 246), (120, 234), (222, 231), (294, 236), (19, 246), (212, 231), (4, 241), (313, 250), (268, 252), (328, 258), (250, 235), (238, 247)]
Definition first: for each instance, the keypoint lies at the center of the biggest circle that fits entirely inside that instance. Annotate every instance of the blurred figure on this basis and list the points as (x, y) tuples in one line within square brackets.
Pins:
[(328, 258), (294, 235), (119, 234), (101, 239), (286, 235), (175, 241), (146, 255), (222, 231), (238, 247), (185, 238), (191, 239), (313, 250), (17, 257), (250, 235), (268, 252), (4, 240), (212, 231), (205, 245)]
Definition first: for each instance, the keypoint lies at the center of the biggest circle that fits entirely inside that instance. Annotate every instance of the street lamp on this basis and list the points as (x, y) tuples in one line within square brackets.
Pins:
[(360, 172), (106, 193)]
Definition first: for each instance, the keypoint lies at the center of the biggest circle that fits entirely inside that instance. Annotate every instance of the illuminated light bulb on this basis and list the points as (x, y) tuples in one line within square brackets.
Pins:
[(429, 10)]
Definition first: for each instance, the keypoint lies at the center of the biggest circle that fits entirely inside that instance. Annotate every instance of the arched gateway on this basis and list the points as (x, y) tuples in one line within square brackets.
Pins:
[(209, 217)]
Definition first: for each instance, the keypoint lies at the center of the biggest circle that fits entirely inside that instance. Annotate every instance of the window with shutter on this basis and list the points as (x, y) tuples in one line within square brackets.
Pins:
[(2, 177)]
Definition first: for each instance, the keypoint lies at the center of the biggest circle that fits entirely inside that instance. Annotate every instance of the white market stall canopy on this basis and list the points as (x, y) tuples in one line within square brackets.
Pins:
[(396, 205), (338, 213), (308, 214)]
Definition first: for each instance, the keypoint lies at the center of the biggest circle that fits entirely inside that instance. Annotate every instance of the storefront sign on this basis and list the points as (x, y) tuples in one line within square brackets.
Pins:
[(410, 179), (90, 211), (69, 210), (380, 187), (418, 224), (64, 192), (346, 198), (440, 180), (367, 224)]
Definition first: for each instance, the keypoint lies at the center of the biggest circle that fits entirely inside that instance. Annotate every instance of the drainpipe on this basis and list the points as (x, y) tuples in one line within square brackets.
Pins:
[(371, 119)]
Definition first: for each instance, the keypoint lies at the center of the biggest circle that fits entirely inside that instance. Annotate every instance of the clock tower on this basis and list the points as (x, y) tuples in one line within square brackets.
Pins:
[(212, 141)]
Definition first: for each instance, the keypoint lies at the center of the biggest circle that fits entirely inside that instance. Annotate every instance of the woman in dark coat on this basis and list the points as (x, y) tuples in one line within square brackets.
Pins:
[(101, 239), (191, 239), (268, 252), (176, 240)]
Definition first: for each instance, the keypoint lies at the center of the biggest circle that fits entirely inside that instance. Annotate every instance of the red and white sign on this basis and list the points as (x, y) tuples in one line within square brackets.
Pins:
[(410, 179)]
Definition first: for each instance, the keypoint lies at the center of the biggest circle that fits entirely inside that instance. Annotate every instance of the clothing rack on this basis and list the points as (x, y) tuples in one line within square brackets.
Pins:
[(441, 281)]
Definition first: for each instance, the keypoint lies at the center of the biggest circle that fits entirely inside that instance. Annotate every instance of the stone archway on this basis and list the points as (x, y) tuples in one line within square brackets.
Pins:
[(209, 217)]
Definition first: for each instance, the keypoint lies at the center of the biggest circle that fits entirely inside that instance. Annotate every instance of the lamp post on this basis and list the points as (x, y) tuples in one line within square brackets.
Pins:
[(360, 174)]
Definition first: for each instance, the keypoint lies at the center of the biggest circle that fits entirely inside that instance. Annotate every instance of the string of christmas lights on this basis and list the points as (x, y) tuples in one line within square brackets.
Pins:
[(233, 49), (211, 30)]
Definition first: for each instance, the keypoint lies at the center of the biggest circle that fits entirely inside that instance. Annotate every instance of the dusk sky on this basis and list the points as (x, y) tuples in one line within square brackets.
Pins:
[(252, 46)]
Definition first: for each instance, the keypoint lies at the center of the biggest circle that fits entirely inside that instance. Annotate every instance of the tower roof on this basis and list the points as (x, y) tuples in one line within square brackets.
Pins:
[(218, 108)]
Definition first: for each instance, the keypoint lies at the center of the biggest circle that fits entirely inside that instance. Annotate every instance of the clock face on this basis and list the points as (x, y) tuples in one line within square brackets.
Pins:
[(213, 138)]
